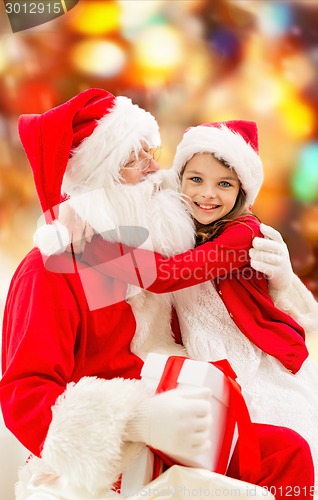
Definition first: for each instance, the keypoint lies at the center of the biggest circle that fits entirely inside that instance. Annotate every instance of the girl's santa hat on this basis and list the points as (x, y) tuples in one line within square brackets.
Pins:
[(235, 142), (80, 146)]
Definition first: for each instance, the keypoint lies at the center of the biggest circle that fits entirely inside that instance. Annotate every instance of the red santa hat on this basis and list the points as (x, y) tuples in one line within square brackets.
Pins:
[(235, 142), (80, 146)]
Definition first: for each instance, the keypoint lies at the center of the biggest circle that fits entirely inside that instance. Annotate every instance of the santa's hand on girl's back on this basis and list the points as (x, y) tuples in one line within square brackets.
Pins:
[(270, 256)]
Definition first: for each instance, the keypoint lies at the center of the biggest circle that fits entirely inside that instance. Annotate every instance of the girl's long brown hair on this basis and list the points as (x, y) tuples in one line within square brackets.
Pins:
[(207, 232)]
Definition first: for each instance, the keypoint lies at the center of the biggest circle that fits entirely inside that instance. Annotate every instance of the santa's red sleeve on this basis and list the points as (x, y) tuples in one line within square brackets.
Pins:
[(75, 425)]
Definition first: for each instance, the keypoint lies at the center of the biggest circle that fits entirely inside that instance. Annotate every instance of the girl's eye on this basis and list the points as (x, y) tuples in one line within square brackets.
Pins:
[(224, 184), (196, 179)]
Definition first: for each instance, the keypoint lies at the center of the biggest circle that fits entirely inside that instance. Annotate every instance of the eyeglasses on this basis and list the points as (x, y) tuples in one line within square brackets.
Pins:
[(142, 165)]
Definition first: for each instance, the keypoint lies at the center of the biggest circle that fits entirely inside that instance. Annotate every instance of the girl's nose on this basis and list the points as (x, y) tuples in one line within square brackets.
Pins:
[(208, 194)]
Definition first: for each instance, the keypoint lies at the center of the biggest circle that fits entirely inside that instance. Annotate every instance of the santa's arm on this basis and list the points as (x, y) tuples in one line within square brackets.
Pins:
[(76, 428), (299, 303), (270, 256)]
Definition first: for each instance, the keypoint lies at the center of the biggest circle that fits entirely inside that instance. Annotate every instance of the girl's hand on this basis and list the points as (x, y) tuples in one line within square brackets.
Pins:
[(270, 256), (79, 231)]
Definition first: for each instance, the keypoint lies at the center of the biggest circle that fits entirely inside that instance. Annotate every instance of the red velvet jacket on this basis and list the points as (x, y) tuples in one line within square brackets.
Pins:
[(226, 261), (51, 338)]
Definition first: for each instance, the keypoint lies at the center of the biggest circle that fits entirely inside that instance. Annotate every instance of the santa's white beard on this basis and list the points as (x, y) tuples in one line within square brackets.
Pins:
[(147, 216), (141, 215)]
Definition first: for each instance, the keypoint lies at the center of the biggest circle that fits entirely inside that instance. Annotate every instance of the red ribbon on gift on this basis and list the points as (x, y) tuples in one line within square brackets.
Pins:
[(238, 414)]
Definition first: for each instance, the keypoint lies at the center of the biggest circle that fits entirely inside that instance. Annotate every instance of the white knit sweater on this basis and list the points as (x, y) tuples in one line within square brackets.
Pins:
[(278, 397)]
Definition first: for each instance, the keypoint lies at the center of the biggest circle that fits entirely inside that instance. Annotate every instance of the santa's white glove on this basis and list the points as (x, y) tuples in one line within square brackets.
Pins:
[(176, 422), (270, 256), (79, 231)]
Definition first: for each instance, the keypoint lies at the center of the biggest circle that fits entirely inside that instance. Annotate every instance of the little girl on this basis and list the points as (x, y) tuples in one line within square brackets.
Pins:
[(229, 313), (233, 316)]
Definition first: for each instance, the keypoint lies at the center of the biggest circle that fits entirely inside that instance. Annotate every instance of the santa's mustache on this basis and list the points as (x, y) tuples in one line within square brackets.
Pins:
[(154, 180), (118, 210)]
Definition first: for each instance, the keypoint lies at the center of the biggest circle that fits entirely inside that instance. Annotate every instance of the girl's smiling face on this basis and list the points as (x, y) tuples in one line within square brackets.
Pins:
[(211, 187)]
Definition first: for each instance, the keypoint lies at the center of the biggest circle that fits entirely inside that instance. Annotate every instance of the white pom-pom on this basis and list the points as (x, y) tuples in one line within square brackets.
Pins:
[(52, 238)]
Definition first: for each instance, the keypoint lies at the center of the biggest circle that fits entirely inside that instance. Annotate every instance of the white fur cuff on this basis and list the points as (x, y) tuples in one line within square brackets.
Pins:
[(299, 303), (84, 441)]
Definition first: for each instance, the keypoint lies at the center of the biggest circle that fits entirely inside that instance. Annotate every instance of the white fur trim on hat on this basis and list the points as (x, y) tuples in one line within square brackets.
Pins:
[(225, 145), (97, 160), (52, 238)]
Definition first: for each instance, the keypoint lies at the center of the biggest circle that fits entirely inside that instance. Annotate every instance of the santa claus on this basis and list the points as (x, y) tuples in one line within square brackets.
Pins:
[(74, 341)]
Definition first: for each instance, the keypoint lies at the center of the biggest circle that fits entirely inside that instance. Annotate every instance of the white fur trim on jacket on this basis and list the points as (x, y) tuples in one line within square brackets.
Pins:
[(84, 441), (152, 313), (225, 145), (97, 160), (299, 303)]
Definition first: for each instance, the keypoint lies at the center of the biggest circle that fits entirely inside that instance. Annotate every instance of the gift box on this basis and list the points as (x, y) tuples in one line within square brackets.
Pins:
[(230, 416), (230, 419)]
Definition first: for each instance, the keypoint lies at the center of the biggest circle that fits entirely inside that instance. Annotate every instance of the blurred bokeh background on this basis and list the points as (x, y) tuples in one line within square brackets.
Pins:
[(187, 62)]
